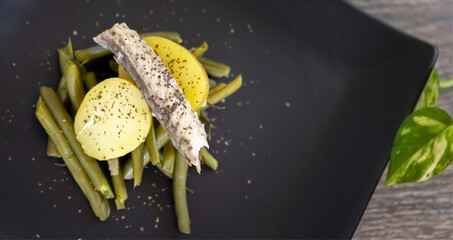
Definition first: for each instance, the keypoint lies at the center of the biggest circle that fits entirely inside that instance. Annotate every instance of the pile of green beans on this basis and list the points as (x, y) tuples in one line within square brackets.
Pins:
[(98, 203), (55, 112), (66, 124)]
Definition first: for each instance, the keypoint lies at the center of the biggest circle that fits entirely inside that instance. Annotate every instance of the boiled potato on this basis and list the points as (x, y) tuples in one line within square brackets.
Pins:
[(113, 119), (183, 66)]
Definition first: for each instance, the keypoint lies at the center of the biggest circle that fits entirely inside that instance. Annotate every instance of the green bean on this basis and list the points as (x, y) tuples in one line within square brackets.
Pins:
[(52, 150), (151, 144), (203, 116), (64, 97), (168, 161), (208, 159), (179, 194), (74, 76), (90, 80), (161, 168), (173, 36), (128, 167), (214, 68), (65, 56), (137, 160), (82, 69), (216, 88), (99, 205), (161, 137), (66, 59), (165, 172), (91, 53), (113, 65), (62, 91), (226, 91), (212, 83), (199, 51), (75, 85), (66, 124), (119, 186)]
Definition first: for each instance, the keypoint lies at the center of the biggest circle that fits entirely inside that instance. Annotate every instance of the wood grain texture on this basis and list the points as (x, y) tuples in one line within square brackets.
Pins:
[(422, 210)]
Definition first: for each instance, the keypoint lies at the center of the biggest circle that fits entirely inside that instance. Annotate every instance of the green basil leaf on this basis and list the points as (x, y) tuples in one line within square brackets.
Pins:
[(430, 93), (422, 147)]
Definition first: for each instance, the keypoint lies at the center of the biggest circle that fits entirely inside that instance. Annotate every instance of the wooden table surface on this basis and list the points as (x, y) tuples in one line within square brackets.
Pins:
[(422, 210)]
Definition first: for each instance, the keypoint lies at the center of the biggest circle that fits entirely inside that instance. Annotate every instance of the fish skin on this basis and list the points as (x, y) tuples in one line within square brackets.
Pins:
[(165, 98)]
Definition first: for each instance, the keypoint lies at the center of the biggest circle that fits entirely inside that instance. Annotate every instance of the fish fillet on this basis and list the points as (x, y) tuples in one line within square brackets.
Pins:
[(165, 98)]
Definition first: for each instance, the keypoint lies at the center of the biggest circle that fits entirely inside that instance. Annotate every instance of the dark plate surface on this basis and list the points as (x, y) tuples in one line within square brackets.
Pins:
[(309, 134)]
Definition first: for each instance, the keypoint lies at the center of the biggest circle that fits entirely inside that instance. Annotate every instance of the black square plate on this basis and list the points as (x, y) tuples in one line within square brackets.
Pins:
[(308, 135)]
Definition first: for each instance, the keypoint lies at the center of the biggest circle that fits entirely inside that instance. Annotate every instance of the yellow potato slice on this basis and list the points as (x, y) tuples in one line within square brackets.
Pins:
[(113, 119), (183, 66)]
